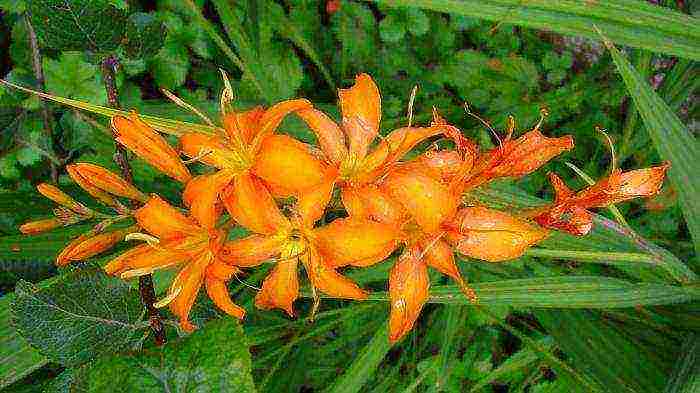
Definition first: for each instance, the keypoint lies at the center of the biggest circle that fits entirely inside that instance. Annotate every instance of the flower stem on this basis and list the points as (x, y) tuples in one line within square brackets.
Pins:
[(146, 290)]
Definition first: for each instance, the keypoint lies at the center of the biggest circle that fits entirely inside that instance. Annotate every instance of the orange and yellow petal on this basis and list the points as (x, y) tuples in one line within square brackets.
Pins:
[(274, 115), (145, 142), (243, 125), (164, 221), (329, 135), (281, 287), (251, 250), (144, 257), (187, 284), (312, 202), (212, 150), (369, 202), (216, 275), (361, 108), (250, 203), (356, 242), (327, 280), (106, 180), (287, 165), (408, 292), (202, 196), (492, 235), (396, 145)]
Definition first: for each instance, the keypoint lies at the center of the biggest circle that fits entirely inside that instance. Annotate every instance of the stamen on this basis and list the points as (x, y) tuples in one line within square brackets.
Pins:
[(151, 240), (484, 122), (410, 104), (511, 127), (226, 94), (200, 154), (168, 299), (613, 162), (235, 274), (543, 114), (179, 102)]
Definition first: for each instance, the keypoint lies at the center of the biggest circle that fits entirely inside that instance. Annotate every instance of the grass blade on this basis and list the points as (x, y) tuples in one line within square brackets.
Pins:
[(671, 138), (628, 22), (686, 375)]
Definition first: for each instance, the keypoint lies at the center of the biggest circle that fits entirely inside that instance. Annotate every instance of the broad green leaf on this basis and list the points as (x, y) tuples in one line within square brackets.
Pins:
[(365, 365), (686, 373), (144, 35), (670, 137), (214, 358), (17, 358), (628, 22), (79, 317), (94, 25), (72, 77), (603, 352)]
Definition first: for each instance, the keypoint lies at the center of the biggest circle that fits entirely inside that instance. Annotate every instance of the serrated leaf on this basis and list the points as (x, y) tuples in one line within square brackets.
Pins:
[(170, 65), (144, 36), (72, 77), (79, 317), (215, 358), (94, 25)]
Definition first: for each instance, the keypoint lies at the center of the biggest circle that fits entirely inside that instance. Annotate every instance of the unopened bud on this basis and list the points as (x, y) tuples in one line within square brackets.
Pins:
[(108, 181), (63, 199), (34, 227)]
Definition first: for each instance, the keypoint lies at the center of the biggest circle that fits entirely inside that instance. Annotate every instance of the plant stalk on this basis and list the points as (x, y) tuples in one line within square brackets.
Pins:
[(148, 295), (40, 80)]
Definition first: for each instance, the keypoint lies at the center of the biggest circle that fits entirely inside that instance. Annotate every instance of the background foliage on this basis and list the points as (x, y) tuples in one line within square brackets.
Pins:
[(615, 311)]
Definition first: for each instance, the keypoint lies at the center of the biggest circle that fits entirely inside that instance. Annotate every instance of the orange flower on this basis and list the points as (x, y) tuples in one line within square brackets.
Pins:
[(568, 212), (96, 177), (89, 245), (34, 227), (296, 240), (149, 145), (514, 157), (249, 143), (408, 292), (176, 239)]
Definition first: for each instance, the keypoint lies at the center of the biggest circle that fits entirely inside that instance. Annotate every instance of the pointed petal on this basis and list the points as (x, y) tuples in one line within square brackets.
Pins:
[(561, 191), (211, 150), (189, 280), (106, 180), (251, 250), (446, 165), (623, 186), (146, 143), (439, 256), (274, 115), (86, 246), (396, 145), (369, 202), (216, 276), (428, 201), (287, 165), (249, 202), (529, 152), (281, 287), (408, 292), (243, 125), (162, 220), (492, 235), (356, 242), (362, 109), (202, 195), (143, 256), (327, 280), (329, 135), (566, 217), (312, 202)]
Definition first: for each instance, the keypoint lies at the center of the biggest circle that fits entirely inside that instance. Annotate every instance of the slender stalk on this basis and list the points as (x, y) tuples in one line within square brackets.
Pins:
[(45, 113), (146, 289)]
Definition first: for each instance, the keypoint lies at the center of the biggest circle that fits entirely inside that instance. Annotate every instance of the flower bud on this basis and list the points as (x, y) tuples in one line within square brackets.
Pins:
[(88, 245), (35, 227), (90, 188), (107, 181), (55, 194)]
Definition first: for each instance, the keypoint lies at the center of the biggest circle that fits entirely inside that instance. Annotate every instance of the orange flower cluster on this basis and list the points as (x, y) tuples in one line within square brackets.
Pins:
[(415, 206)]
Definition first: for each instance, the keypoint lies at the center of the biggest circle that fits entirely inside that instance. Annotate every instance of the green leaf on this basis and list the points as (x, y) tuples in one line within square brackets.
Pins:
[(670, 137), (94, 25), (391, 29), (28, 156), (72, 77), (8, 167), (628, 22), (79, 317), (686, 374), (215, 358), (365, 365), (144, 35), (16, 6)]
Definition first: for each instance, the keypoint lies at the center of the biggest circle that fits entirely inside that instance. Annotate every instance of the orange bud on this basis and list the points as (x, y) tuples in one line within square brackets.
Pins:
[(327, 280), (356, 242), (408, 292), (427, 200), (361, 107), (55, 194), (90, 188), (492, 235), (88, 245), (34, 227), (287, 165), (146, 143), (105, 180)]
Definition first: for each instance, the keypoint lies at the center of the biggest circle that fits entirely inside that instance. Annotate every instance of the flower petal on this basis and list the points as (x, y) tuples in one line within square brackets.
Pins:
[(312, 202), (243, 125), (287, 165), (369, 202), (356, 242), (395, 146), (187, 283), (202, 196), (427, 200), (329, 135), (249, 202), (162, 220), (212, 150), (215, 284), (144, 256), (281, 287), (408, 292), (362, 110), (251, 250), (327, 280), (274, 115), (146, 143), (492, 235)]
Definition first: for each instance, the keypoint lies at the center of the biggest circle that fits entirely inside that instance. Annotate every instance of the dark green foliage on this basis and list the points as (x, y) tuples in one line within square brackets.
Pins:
[(83, 315), (144, 36)]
